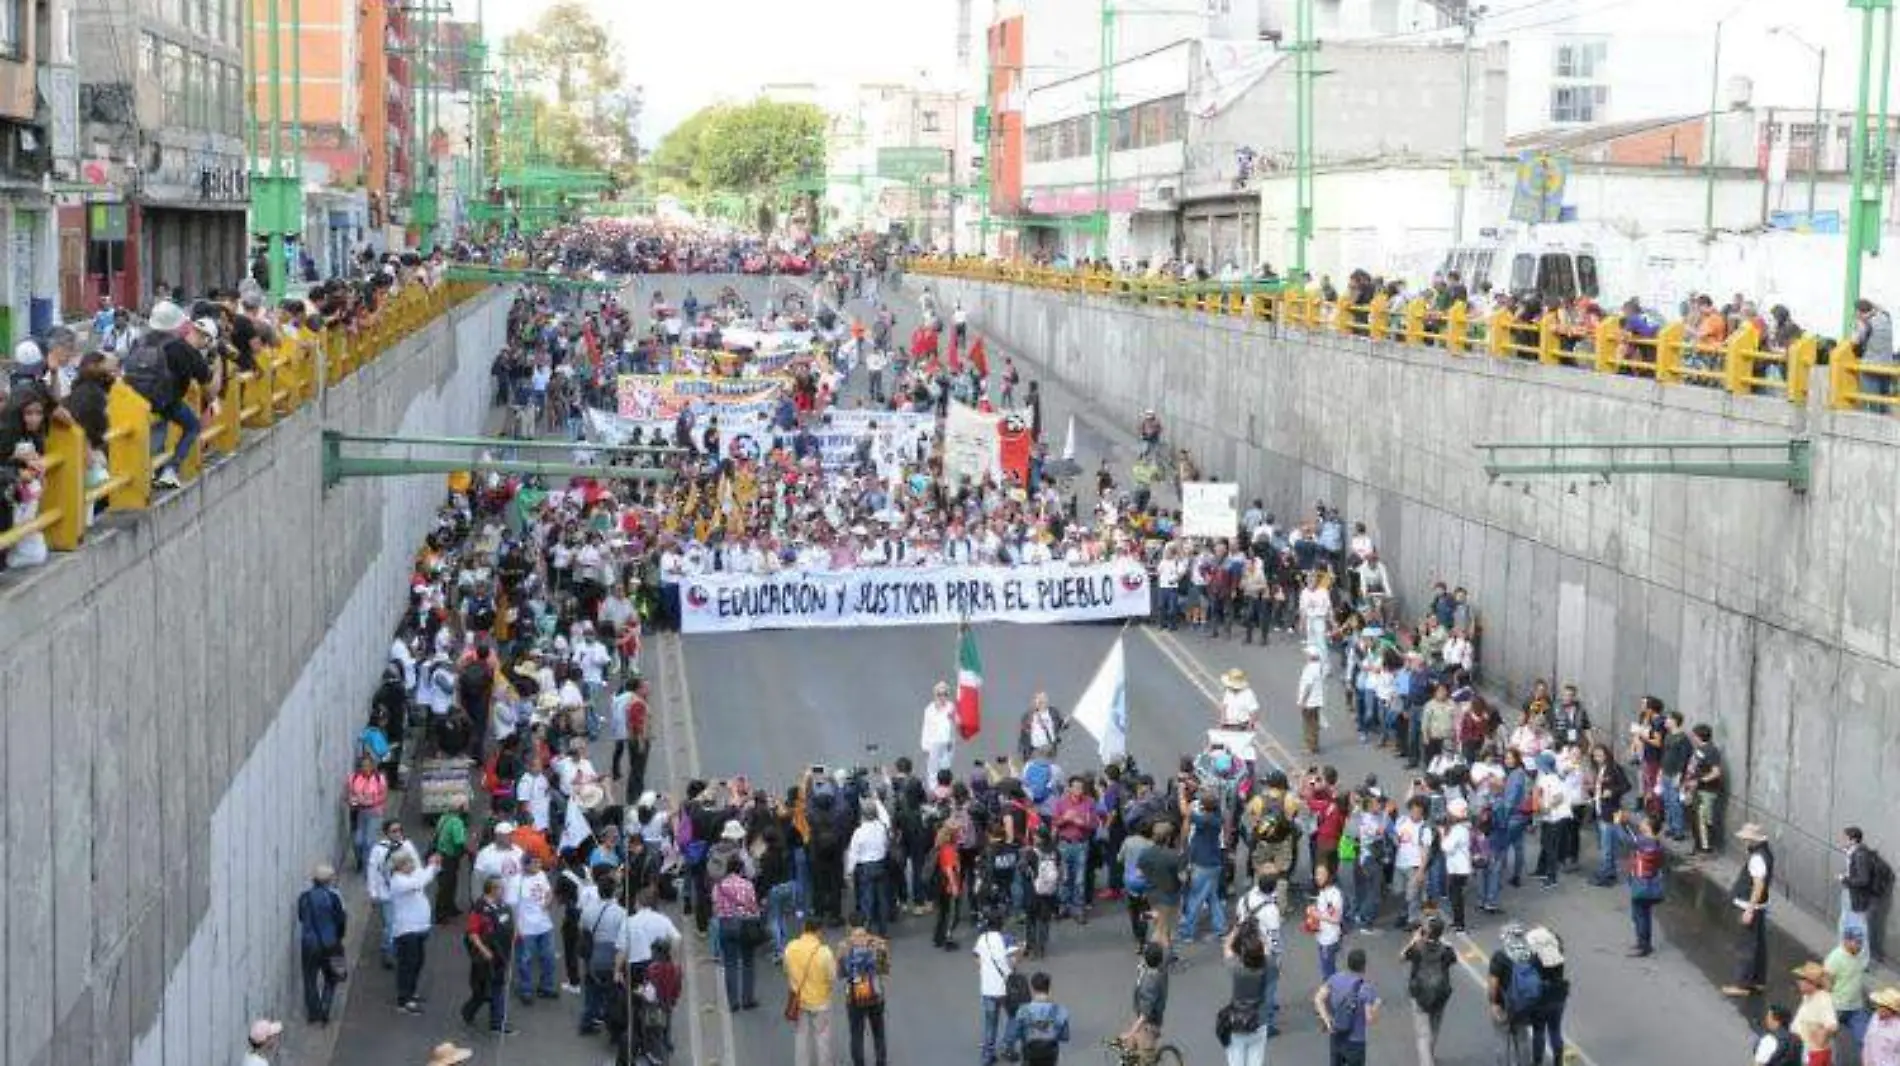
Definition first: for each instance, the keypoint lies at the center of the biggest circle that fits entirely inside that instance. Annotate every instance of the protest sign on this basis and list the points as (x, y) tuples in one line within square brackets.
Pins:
[(909, 596), (902, 432), (646, 397), (1210, 509), (972, 448)]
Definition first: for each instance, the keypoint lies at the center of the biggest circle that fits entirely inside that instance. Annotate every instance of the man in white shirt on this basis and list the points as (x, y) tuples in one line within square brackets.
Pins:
[(380, 866), (1414, 836), (601, 919), (1042, 729), (500, 861), (1311, 698), (534, 928), (534, 794), (643, 928), (1239, 707), (995, 961), (865, 863), (939, 735)]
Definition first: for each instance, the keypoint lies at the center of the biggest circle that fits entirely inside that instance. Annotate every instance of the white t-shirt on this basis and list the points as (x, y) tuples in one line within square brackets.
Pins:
[(1765, 1049), (1413, 837), (1456, 843), (1239, 709), (495, 861), (642, 929), (993, 963), (1315, 603), (531, 907), (1266, 915), (940, 725), (532, 792), (1552, 798), (1331, 906)]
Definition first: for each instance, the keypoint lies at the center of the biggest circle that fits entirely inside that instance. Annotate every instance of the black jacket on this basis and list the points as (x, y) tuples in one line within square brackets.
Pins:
[(87, 404)]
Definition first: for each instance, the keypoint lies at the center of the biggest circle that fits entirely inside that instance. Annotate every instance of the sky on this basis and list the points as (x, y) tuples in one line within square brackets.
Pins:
[(687, 54), (690, 53)]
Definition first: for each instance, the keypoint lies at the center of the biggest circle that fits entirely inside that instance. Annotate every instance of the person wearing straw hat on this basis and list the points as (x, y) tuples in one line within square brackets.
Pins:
[(447, 1054), (1814, 1020), (1750, 895), (1238, 707), (1882, 1044)]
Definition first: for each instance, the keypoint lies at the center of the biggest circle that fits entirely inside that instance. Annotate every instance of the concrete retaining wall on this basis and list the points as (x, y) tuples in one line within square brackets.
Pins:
[(181, 701), (1770, 615)]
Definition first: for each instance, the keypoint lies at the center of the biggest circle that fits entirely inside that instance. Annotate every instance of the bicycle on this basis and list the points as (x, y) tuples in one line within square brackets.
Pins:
[(1120, 1054)]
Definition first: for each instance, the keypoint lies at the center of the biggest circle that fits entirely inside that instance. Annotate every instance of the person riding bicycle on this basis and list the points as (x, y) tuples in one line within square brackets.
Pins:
[(1149, 430), (1143, 1034)]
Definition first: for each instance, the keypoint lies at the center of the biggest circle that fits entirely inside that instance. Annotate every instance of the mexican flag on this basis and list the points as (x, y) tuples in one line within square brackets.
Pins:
[(969, 684)]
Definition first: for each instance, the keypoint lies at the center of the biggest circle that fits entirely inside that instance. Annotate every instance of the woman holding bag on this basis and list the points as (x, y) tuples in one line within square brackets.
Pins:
[(741, 931)]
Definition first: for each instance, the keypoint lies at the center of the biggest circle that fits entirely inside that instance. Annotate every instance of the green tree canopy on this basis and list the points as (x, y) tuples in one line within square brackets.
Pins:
[(743, 148), (587, 112)]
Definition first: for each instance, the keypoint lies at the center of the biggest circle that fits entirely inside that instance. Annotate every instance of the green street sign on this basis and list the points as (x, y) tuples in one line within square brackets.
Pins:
[(912, 164)]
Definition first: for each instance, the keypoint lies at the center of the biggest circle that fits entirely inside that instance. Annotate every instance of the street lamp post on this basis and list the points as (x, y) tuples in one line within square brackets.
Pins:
[(1869, 161), (1817, 140)]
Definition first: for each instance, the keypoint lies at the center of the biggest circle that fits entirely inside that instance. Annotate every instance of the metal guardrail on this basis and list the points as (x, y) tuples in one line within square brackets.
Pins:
[(1739, 365), (285, 380)]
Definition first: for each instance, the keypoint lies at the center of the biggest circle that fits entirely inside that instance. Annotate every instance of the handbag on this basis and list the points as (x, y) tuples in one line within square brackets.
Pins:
[(1240, 1016), (751, 932)]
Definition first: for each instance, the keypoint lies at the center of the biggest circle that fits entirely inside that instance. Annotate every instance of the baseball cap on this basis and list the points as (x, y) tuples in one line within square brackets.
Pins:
[(264, 1030)]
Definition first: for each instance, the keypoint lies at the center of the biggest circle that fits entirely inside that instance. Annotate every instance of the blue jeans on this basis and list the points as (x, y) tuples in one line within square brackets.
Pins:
[(1168, 607), (1642, 918), (1203, 893), (741, 974), (1491, 882), (1075, 868), (1674, 817), (1365, 711), (993, 1022), (781, 904), (595, 988), (872, 882), (1856, 1022), (1366, 888), (369, 828), (538, 947), (1328, 961), (389, 936), (1270, 993), (178, 413), (1607, 835), (1514, 846)]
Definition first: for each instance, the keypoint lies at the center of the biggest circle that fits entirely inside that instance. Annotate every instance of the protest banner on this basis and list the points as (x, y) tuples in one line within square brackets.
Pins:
[(647, 397), (912, 596), (972, 447), (903, 432), (1210, 509)]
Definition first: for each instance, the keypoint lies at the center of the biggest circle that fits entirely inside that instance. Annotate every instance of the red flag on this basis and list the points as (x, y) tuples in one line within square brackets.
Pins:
[(980, 358), (1013, 432), (969, 684)]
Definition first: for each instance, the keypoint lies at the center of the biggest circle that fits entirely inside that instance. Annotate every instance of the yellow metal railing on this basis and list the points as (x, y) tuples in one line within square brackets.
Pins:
[(1738, 365), (285, 380)]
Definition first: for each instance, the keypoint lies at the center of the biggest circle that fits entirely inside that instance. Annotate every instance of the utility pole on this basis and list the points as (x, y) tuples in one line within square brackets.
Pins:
[(1105, 125), (1470, 19), (1304, 75), (1708, 141), (276, 187), (1869, 161)]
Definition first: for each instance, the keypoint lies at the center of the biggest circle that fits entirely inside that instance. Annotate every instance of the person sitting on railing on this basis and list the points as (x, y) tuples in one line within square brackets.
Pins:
[(1711, 333), (1640, 328), (161, 368)]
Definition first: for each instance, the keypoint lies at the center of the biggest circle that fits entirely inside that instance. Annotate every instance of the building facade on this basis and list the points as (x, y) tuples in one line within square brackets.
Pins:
[(162, 123)]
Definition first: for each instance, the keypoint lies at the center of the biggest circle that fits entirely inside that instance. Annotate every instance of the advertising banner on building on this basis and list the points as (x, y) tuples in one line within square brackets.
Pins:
[(907, 596)]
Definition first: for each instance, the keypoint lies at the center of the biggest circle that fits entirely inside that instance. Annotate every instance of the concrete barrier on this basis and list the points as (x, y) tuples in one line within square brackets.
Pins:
[(1767, 613), (181, 700)]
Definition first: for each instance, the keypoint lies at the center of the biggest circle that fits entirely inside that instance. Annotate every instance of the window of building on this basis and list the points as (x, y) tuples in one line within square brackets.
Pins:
[(12, 43), (234, 98), (1579, 58), (148, 55), (201, 16), (1124, 130), (1579, 103), (195, 90), (173, 75), (931, 123)]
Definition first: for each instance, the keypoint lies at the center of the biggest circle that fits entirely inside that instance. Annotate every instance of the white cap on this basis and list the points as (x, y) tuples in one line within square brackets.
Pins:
[(206, 326), (27, 353), (166, 317), (504, 827), (264, 1030)]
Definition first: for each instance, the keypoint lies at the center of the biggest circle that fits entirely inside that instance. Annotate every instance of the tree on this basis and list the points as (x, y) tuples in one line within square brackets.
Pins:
[(744, 148), (587, 113)]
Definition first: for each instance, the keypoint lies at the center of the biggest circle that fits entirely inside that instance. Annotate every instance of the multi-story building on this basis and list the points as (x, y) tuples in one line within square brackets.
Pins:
[(161, 129), (38, 141), (386, 109)]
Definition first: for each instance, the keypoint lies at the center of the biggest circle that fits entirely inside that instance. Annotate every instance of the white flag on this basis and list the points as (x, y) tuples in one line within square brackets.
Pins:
[(1068, 445), (1103, 708)]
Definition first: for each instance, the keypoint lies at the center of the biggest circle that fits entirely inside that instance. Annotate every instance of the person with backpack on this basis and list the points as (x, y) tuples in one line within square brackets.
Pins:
[(1039, 1027), (1046, 868), (1241, 1026), (1521, 986), (1645, 876), (1866, 881), (1348, 1006), (161, 367), (382, 859), (1430, 984), (864, 961)]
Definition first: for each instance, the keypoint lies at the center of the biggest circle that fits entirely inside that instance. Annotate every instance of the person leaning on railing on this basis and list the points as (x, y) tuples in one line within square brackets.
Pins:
[(162, 367)]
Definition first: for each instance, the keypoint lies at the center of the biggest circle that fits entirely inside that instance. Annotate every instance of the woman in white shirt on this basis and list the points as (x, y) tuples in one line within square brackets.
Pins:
[(410, 919), (1316, 612), (1553, 812), (1456, 845), (1324, 916)]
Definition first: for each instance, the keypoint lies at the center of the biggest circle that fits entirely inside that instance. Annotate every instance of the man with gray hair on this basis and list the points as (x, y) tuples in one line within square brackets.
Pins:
[(322, 923)]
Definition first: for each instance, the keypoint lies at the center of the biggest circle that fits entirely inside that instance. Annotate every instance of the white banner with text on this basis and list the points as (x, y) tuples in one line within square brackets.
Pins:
[(914, 596)]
